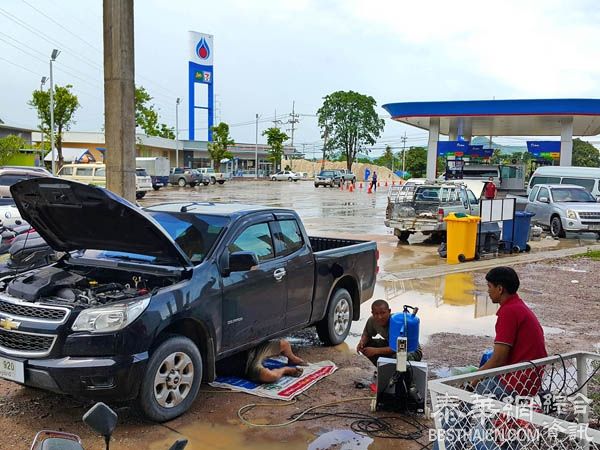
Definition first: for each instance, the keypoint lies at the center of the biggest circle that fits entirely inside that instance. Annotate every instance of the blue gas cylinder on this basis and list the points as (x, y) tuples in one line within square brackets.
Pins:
[(405, 324)]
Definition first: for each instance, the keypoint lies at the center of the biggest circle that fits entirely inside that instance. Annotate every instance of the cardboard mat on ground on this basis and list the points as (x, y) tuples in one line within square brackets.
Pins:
[(286, 388)]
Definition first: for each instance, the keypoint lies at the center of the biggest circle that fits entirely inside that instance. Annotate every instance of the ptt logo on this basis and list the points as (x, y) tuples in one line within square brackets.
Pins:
[(202, 49)]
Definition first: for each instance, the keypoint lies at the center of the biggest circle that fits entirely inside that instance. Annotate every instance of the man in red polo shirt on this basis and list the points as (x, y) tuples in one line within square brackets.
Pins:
[(490, 189), (519, 337)]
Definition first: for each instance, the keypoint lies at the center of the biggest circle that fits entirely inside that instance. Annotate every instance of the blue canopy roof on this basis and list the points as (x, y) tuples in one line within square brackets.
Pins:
[(503, 117)]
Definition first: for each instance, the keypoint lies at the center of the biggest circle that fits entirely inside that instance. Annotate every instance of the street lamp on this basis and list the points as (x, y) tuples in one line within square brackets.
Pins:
[(42, 83), (256, 151), (177, 102), (53, 57)]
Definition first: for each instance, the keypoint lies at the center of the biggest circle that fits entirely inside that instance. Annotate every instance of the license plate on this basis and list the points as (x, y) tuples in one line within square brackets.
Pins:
[(12, 370), (594, 227)]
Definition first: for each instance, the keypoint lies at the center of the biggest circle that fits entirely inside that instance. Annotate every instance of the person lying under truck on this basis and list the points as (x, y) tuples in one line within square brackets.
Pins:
[(379, 325), (249, 364)]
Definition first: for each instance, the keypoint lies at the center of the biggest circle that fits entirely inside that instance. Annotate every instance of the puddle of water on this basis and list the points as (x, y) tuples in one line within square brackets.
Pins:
[(450, 303), (342, 440), (202, 435)]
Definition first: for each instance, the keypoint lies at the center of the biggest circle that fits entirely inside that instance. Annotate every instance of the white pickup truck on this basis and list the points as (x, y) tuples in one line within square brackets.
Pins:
[(215, 177)]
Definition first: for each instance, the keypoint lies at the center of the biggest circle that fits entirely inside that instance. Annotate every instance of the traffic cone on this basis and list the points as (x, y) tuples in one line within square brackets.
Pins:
[(393, 183), (351, 188), (360, 186), (369, 190), (386, 183), (379, 184), (341, 185)]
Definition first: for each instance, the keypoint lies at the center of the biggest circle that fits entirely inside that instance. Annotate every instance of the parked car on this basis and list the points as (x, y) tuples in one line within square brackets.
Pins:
[(329, 178), (587, 177), (95, 174), (285, 175), (184, 177), (564, 207), (347, 175), (157, 167), (10, 175), (214, 177), (422, 207), (187, 282), (10, 216), (202, 178), (143, 182)]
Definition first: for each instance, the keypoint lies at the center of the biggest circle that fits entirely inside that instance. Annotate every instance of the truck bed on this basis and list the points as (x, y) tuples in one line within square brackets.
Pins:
[(337, 259)]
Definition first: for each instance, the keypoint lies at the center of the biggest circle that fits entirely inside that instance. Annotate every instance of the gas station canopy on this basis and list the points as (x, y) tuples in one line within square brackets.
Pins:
[(461, 120), (502, 117)]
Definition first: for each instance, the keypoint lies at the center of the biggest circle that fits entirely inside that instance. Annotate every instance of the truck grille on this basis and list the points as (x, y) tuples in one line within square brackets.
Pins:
[(25, 344), (34, 312), (589, 215)]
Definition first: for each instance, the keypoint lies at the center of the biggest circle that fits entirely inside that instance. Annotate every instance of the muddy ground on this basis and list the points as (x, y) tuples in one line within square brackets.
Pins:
[(563, 293)]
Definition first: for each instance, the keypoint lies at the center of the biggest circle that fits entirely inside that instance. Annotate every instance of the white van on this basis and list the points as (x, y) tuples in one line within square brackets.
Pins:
[(587, 177), (96, 174)]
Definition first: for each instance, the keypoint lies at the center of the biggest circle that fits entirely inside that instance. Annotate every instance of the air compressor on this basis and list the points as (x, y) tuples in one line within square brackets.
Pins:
[(397, 380)]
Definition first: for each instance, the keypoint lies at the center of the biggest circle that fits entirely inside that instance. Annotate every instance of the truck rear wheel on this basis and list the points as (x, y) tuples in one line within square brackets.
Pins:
[(335, 326), (403, 236), (172, 379)]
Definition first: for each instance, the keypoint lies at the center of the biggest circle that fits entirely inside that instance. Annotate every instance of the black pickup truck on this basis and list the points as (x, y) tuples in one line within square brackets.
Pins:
[(142, 302)]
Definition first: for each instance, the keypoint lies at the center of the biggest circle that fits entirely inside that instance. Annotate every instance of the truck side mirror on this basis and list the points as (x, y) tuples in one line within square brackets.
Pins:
[(242, 261)]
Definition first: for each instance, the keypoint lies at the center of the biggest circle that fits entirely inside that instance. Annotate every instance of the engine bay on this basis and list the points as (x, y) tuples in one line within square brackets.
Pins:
[(83, 286)]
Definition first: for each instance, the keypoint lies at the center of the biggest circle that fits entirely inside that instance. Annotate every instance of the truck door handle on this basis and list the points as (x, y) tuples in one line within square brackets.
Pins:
[(278, 274)]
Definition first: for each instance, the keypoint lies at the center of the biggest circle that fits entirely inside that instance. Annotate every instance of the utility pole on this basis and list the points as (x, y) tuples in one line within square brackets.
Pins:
[(404, 154), (324, 147), (119, 87), (42, 83), (256, 151), (293, 120), (53, 57), (177, 102)]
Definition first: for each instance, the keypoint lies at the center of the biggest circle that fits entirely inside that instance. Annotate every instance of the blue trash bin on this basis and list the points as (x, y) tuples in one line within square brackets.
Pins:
[(516, 240)]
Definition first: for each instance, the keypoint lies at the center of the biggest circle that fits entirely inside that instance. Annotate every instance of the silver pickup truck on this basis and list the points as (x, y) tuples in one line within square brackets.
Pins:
[(564, 207), (421, 207)]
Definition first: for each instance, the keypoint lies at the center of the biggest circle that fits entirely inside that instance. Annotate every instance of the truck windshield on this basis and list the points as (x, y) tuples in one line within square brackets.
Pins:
[(572, 195), (196, 234)]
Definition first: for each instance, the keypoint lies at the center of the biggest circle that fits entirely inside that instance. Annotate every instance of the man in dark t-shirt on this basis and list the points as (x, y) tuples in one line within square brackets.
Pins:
[(379, 325)]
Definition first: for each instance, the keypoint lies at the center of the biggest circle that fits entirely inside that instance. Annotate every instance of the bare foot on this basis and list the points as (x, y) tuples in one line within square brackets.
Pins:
[(297, 372), (297, 361)]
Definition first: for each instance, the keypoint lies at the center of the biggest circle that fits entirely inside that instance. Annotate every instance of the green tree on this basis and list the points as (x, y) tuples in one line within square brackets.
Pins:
[(350, 121), (10, 145), (146, 116), (386, 159), (497, 156), (585, 154), (275, 140), (416, 161), (65, 105), (217, 149)]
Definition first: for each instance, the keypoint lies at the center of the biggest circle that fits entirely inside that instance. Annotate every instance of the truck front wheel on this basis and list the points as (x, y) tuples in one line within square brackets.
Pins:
[(335, 326), (172, 379)]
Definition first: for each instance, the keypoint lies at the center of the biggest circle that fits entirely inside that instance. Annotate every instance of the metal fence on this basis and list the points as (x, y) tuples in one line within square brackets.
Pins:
[(541, 404)]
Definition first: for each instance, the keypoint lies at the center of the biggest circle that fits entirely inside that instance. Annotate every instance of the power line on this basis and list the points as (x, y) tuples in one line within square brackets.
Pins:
[(61, 26)]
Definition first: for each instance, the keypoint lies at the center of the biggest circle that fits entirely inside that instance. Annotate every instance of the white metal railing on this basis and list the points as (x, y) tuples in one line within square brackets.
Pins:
[(538, 405)]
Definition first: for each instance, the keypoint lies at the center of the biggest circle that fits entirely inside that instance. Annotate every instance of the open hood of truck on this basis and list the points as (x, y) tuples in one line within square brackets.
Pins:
[(74, 216)]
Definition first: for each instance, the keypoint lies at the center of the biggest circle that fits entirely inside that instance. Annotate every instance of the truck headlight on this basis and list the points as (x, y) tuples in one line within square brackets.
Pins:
[(113, 317), (571, 214)]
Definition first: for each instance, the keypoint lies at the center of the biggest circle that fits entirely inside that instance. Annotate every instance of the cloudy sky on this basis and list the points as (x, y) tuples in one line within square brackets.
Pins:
[(269, 54)]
